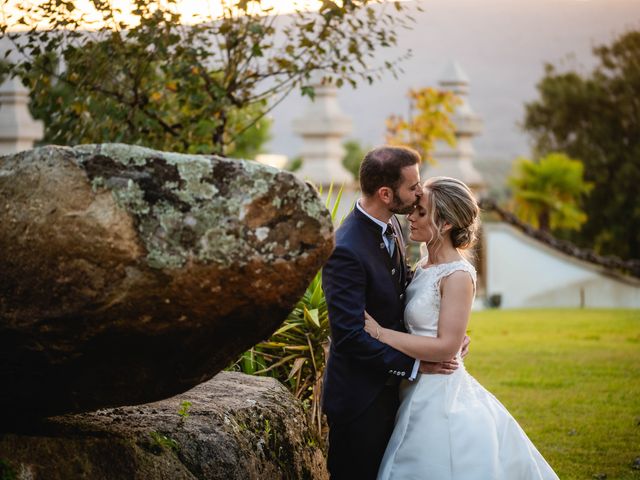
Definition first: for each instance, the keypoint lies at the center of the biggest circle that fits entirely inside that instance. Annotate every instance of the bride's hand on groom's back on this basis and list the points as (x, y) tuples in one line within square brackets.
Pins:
[(465, 346), (372, 327)]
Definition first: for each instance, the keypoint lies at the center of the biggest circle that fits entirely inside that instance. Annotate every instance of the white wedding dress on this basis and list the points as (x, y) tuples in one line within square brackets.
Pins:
[(449, 427)]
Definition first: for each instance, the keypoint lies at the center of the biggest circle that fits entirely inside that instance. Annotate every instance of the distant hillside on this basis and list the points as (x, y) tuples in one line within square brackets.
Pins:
[(501, 44)]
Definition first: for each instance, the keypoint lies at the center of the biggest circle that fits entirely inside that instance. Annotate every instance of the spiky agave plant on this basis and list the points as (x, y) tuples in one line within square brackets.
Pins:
[(296, 353)]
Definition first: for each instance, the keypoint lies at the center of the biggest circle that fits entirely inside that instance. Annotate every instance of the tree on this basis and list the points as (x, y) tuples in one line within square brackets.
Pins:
[(354, 153), (178, 121), (596, 117), (432, 121), (548, 193), (155, 80)]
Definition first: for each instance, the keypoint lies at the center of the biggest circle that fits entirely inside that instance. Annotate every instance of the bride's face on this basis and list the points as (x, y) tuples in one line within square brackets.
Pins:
[(421, 228)]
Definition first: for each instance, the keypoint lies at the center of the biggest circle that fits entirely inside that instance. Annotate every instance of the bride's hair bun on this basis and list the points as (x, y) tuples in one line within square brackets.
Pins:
[(464, 237), (454, 203)]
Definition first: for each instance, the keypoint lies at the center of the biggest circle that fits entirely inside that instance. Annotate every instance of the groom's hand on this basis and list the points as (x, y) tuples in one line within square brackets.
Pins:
[(441, 368), (465, 346)]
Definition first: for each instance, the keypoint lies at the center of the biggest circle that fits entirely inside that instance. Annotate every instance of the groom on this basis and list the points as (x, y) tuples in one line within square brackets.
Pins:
[(368, 271)]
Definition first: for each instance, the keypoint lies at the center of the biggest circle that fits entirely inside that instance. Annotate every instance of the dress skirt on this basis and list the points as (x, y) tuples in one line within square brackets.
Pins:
[(449, 427)]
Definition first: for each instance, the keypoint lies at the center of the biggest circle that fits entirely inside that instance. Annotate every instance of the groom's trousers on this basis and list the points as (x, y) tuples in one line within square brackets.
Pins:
[(356, 448)]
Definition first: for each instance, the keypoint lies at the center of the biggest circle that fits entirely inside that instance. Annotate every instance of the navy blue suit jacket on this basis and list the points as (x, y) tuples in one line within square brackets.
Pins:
[(360, 276)]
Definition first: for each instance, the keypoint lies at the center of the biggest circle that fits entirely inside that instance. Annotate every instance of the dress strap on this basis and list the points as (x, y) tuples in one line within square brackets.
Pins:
[(461, 265)]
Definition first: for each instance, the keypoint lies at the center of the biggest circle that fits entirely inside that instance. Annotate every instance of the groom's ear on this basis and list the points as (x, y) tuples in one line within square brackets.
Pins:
[(385, 194)]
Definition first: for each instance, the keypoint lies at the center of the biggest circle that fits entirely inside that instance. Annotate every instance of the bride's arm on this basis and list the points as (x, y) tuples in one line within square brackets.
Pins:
[(455, 307)]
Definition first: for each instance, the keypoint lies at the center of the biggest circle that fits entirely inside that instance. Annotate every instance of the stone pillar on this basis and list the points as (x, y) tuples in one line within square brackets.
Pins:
[(457, 161), (323, 127), (18, 130)]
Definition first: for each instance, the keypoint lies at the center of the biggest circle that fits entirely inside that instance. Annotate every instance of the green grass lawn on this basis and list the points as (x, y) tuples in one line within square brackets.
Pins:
[(572, 380)]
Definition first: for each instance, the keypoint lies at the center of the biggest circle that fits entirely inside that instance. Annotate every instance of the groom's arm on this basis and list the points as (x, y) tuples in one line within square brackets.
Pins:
[(344, 284)]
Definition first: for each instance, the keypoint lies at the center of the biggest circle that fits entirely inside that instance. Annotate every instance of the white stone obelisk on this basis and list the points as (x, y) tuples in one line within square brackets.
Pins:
[(457, 161), (323, 127), (18, 129)]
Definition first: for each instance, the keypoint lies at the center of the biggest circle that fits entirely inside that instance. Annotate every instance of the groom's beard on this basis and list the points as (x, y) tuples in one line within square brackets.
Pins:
[(404, 210), (400, 208)]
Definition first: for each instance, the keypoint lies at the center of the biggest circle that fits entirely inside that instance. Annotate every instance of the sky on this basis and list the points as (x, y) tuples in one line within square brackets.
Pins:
[(502, 45), (194, 9)]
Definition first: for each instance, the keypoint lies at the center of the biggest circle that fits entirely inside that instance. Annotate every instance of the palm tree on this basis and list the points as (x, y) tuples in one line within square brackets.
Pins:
[(548, 193)]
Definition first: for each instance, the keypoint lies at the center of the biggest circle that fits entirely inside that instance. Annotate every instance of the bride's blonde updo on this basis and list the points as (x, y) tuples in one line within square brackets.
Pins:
[(452, 202)]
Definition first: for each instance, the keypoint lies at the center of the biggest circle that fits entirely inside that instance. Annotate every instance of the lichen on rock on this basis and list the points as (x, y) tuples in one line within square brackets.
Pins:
[(181, 202), (153, 269)]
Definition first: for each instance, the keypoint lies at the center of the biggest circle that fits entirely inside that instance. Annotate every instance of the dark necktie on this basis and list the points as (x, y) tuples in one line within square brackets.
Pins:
[(390, 233)]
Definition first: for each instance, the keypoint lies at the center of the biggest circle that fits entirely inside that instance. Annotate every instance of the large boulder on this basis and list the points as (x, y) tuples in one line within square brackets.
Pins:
[(129, 275), (238, 427)]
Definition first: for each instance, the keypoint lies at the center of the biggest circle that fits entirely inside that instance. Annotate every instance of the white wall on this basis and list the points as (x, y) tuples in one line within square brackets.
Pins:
[(527, 273)]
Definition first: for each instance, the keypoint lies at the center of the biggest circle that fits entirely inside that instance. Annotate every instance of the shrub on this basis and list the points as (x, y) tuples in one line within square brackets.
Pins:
[(296, 353)]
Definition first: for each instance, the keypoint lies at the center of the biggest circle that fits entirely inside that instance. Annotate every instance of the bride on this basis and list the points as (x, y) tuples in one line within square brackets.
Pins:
[(448, 427)]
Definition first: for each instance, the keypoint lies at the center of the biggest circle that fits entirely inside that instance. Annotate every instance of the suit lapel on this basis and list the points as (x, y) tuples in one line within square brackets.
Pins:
[(376, 234), (388, 260), (400, 269), (401, 246)]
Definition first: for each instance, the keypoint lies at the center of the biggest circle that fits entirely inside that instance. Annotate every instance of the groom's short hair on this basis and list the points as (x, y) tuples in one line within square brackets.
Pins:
[(382, 167)]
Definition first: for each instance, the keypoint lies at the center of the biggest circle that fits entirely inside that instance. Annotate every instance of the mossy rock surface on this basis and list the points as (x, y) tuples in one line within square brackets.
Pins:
[(237, 427), (129, 275)]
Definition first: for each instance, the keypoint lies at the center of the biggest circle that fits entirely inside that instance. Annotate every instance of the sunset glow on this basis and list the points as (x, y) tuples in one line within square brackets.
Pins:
[(191, 11)]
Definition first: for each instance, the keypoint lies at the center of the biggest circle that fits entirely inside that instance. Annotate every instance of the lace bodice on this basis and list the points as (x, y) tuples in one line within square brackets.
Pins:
[(423, 295)]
